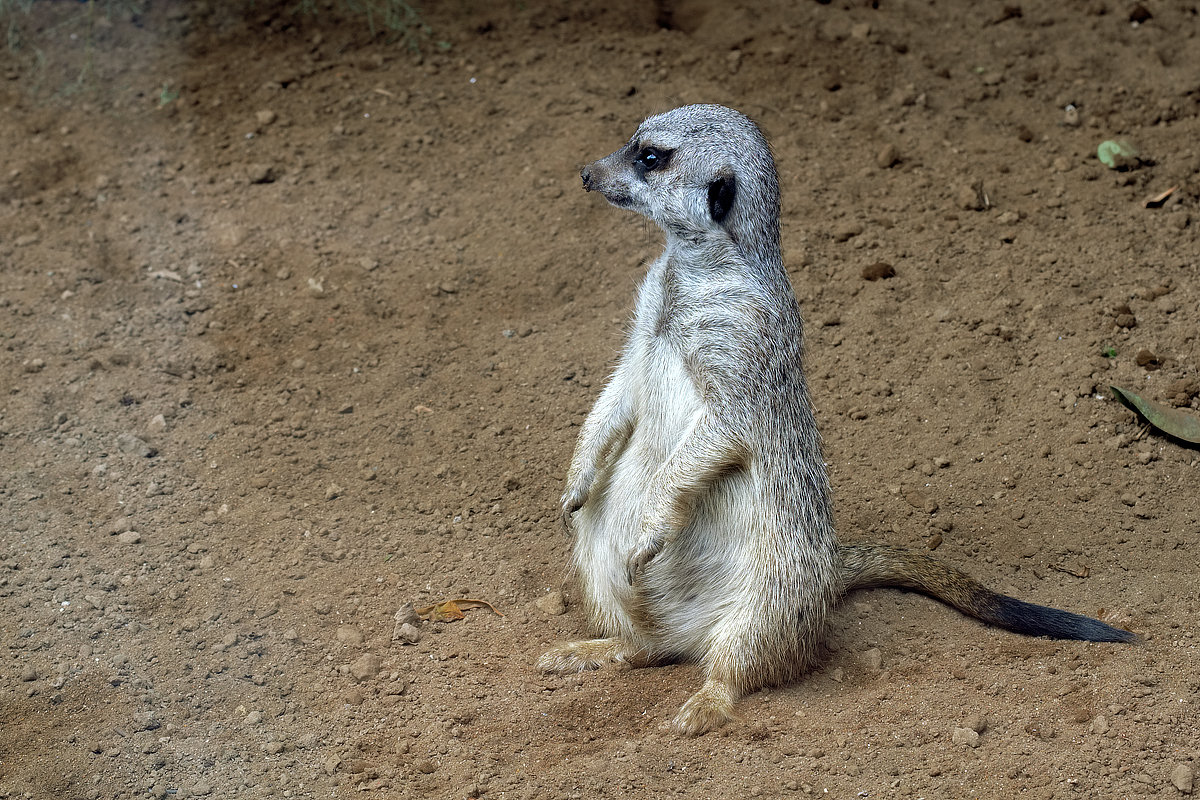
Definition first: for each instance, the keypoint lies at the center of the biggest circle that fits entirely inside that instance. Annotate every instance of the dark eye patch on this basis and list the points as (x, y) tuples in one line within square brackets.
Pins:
[(649, 159)]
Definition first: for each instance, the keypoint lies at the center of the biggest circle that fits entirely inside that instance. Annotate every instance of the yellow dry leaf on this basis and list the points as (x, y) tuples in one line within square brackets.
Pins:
[(450, 610)]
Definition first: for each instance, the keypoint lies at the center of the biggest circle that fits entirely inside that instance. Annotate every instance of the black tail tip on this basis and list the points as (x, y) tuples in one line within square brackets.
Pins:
[(1034, 620)]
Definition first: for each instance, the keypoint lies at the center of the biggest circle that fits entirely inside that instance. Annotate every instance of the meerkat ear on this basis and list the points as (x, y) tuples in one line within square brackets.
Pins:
[(721, 194)]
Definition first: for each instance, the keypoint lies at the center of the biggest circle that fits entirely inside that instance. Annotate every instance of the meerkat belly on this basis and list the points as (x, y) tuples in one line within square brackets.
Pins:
[(680, 594)]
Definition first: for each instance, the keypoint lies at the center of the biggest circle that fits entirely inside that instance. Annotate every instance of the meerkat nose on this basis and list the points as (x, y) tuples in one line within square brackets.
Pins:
[(586, 174)]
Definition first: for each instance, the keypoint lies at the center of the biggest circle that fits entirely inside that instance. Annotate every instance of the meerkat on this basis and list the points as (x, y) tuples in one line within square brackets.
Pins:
[(697, 494)]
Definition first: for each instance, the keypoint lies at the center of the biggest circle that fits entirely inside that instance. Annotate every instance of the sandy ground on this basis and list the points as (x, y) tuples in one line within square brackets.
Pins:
[(298, 327)]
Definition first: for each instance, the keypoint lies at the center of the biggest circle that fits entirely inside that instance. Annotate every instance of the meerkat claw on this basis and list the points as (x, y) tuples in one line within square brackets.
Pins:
[(640, 557)]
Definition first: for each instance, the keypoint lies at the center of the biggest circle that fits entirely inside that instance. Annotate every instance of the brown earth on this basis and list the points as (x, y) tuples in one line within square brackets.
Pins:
[(299, 327)]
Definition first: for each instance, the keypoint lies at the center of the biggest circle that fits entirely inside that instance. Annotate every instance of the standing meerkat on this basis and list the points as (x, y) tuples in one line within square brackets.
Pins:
[(697, 493)]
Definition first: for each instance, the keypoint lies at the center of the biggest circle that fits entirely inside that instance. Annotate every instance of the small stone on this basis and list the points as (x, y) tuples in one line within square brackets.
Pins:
[(201, 789), (129, 537), (29, 673), (406, 613), (967, 198), (551, 604), (1183, 778), (1147, 360), (354, 697), (26, 240), (878, 271), (406, 633), (965, 736), (33, 365), (1009, 218), (365, 667), (128, 443), (1100, 725), (274, 748), (157, 424), (425, 767), (888, 156), (873, 659), (260, 173), (265, 117), (254, 718), (1139, 14), (333, 491), (1126, 321), (976, 722), (846, 231), (348, 634)]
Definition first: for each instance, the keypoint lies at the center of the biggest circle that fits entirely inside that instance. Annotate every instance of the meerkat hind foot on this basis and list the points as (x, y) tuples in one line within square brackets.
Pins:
[(706, 710), (583, 655)]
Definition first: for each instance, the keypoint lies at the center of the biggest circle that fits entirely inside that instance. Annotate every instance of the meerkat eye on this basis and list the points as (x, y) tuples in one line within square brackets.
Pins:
[(651, 158)]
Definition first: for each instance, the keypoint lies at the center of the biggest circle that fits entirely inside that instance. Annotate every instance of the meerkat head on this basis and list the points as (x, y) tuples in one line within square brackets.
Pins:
[(697, 172)]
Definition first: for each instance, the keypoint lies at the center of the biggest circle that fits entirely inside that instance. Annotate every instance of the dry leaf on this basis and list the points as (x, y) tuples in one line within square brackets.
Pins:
[(1157, 200), (1082, 572), (1171, 421), (450, 610)]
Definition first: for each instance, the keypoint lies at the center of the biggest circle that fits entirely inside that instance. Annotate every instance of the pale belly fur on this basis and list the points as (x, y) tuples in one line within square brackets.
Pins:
[(691, 585)]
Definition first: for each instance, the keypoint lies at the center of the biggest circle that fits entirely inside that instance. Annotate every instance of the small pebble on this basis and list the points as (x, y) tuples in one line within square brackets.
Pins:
[(406, 613), (354, 697), (551, 604), (129, 537), (265, 117), (1100, 725), (128, 443), (365, 667), (967, 198), (976, 722), (1183, 778), (348, 634), (29, 673), (406, 633), (1147, 360), (846, 231), (260, 173), (254, 718), (965, 736), (878, 271), (873, 658), (888, 156)]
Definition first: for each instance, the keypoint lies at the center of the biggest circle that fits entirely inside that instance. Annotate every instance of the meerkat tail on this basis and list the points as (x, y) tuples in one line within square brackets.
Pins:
[(872, 565)]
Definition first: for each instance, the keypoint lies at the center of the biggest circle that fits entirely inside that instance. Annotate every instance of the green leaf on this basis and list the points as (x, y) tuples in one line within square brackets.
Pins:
[(1172, 421)]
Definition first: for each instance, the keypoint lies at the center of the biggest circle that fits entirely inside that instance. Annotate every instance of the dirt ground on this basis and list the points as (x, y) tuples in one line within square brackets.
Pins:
[(298, 327)]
